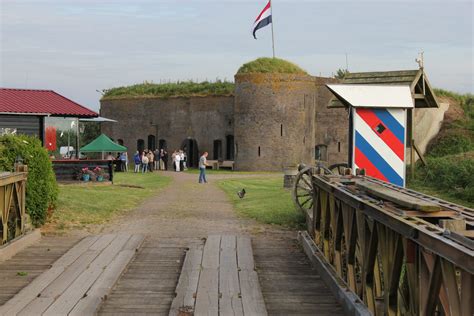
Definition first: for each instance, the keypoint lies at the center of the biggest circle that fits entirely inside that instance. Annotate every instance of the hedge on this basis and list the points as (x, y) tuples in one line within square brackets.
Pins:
[(41, 186)]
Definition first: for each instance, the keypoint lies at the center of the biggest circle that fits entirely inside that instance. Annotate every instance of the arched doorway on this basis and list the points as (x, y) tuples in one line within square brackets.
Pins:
[(140, 145), (229, 147), (151, 142), (217, 152), (190, 147), (162, 144)]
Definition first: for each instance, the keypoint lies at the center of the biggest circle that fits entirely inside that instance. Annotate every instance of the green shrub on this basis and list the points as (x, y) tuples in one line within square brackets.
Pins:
[(271, 65), (453, 174), (451, 144), (41, 186)]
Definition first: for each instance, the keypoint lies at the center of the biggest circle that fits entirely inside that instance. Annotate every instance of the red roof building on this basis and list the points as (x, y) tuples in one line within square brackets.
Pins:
[(40, 102), (40, 113)]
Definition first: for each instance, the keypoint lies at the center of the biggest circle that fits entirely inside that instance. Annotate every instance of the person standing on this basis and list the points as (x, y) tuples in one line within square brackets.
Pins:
[(126, 161), (151, 159), (137, 161), (165, 159), (177, 160), (157, 159), (144, 162), (202, 167)]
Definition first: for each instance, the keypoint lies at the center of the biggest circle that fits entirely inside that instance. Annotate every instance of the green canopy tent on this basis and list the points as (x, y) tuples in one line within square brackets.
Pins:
[(102, 144)]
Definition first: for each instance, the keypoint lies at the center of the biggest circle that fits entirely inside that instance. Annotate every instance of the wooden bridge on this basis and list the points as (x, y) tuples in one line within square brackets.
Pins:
[(378, 249)]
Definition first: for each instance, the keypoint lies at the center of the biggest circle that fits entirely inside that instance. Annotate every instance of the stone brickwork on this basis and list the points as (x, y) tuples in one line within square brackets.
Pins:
[(274, 120), (203, 119)]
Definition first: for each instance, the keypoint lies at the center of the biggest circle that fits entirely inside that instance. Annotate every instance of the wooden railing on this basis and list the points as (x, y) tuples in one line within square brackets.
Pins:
[(12, 203), (396, 257)]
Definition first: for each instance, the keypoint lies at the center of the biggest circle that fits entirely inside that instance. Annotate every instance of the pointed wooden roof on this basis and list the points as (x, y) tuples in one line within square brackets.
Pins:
[(417, 80)]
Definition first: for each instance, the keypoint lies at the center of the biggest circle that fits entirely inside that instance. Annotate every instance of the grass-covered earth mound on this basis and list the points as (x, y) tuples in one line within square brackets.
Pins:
[(450, 156), (172, 89), (271, 65)]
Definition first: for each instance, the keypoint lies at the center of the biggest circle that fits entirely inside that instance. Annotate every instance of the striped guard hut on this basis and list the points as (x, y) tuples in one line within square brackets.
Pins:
[(378, 128)]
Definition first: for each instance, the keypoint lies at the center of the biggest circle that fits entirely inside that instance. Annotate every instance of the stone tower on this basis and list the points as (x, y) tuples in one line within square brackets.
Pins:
[(274, 120)]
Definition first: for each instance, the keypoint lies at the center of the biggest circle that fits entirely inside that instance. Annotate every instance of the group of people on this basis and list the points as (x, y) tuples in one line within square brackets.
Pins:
[(150, 160), (179, 160)]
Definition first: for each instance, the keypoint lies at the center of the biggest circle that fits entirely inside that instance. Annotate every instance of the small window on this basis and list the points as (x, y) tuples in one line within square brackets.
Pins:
[(338, 147), (281, 130), (259, 151), (321, 152), (304, 139)]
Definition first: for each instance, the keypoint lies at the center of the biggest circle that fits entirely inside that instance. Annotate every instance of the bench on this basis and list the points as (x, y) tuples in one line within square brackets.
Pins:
[(219, 278), (78, 282), (214, 164), (226, 164)]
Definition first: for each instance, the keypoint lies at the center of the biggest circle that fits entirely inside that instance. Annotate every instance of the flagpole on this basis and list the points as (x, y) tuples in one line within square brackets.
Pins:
[(273, 36)]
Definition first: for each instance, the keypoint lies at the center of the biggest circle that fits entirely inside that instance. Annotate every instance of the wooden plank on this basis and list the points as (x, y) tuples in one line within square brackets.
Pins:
[(210, 257), (61, 283), (244, 253), (252, 298), (228, 241), (70, 297), (27, 294), (230, 302), (186, 289), (207, 299), (90, 303), (41, 304), (103, 242), (399, 198)]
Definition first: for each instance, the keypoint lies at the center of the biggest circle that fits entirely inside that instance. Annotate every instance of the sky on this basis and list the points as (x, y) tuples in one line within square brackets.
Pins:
[(79, 48)]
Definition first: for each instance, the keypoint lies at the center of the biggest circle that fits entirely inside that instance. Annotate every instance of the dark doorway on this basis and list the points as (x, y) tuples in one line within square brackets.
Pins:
[(190, 147), (217, 153), (162, 144), (120, 141), (140, 145), (321, 152), (151, 142), (229, 147)]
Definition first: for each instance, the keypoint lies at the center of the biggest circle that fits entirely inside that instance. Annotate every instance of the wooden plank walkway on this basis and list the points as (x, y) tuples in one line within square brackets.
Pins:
[(290, 286), (147, 287), (77, 282), (25, 266), (219, 279)]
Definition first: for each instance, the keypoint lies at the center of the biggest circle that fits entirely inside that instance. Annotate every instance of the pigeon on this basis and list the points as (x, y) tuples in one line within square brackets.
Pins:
[(241, 193)]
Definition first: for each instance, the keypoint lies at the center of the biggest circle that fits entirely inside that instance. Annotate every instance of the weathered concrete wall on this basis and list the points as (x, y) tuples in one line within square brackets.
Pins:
[(204, 119), (427, 125), (274, 120), (332, 126)]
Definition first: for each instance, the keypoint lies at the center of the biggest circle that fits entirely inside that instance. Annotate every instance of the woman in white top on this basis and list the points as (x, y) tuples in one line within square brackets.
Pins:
[(177, 160)]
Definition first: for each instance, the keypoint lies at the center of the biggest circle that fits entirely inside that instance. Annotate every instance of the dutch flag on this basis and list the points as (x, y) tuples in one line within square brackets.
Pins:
[(263, 19)]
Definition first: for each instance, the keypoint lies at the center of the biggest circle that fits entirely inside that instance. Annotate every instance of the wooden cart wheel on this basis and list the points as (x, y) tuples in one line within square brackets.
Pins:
[(303, 190)]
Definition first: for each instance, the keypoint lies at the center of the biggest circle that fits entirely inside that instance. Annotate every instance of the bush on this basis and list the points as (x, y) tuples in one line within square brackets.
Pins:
[(41, 186), (451, 144)]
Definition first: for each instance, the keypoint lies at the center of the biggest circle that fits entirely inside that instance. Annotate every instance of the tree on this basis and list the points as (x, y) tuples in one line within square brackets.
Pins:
[(341, 73)]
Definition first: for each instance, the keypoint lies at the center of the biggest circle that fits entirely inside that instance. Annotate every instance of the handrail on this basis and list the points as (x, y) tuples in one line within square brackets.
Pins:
[(397, 260), (12, 203)]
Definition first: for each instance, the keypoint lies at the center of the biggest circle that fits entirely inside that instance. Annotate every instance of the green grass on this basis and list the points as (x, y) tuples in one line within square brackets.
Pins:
[(82, 205), (172, 89), (447, 195), (265, 201), (271, 65)]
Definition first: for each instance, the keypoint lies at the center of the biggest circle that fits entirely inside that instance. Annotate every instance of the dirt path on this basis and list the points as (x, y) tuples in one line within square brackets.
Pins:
[(183, 214), (185, 209)]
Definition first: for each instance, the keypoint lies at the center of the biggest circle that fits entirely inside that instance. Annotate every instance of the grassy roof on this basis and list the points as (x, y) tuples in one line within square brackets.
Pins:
[(270, 65), (172, 89)]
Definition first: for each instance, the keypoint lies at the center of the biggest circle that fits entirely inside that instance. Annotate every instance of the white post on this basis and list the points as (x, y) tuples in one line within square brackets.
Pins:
[(273, 36)]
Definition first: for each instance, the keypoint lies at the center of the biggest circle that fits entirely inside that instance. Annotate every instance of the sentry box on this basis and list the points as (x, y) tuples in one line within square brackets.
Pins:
[(378, 128)]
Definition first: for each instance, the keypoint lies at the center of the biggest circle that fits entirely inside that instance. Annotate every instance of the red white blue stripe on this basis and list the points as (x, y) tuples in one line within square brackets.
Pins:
[(379, 139), (263, 19)]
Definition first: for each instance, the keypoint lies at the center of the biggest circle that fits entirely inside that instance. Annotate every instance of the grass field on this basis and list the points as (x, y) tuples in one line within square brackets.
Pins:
[(265, 201), (82, 205), (442, 194)]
